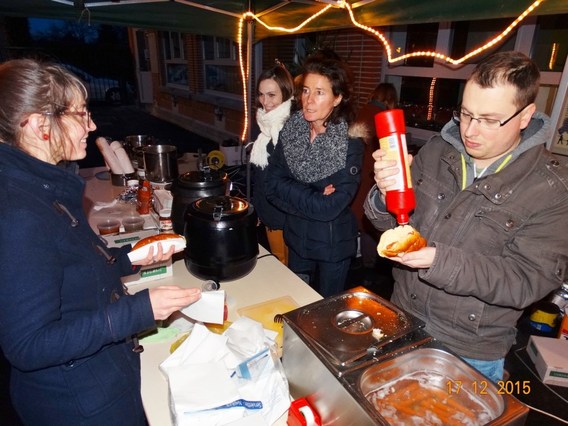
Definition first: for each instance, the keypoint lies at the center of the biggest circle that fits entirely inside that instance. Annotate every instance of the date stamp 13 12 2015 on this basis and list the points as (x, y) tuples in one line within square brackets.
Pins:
[(481, 387)]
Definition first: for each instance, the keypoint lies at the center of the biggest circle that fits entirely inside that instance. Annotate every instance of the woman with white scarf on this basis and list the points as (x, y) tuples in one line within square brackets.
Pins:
[(275, 89)]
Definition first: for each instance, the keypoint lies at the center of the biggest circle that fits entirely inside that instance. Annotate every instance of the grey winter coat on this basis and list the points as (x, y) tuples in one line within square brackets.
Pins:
[(501, 243)]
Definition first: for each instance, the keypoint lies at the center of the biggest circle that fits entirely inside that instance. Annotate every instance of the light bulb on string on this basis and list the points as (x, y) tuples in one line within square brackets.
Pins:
[(342, 4)]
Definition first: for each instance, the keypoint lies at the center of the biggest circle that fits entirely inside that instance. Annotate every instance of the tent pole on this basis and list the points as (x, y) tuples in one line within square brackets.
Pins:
[(249, 101)]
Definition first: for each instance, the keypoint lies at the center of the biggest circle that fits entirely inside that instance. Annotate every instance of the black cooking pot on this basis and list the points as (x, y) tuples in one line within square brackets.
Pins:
[(221, 238), (192, 186)]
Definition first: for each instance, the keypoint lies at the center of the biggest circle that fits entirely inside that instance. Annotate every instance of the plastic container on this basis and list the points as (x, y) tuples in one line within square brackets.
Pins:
[(544, 317), (108, 227), (391, 131), (133, 223)]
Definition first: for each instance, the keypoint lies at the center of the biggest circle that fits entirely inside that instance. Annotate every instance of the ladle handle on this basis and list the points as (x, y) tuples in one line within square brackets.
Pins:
[(350, 321)]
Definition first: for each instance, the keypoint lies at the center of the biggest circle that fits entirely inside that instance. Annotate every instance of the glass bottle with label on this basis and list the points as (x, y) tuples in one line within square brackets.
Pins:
[(144, 198), (165, 219)]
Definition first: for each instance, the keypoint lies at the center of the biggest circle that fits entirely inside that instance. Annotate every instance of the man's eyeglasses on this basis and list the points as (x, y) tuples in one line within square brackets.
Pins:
[(487, 123), (85, 116)]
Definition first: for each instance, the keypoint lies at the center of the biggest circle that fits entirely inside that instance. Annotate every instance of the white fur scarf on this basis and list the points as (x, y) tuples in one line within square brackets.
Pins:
[(270, 124)]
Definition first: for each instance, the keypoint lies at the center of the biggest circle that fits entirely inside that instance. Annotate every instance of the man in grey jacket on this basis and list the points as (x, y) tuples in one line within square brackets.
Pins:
[(492, 203)]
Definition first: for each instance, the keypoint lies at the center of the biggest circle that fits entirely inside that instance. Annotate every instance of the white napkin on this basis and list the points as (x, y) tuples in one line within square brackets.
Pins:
[(210, 308), (252, 420), (202, 379), (99, 205), (246, 337), (201, 346)]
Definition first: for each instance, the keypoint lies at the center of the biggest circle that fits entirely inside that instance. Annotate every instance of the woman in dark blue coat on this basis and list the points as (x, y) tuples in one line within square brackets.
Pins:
[(65, 320), (314, 174)]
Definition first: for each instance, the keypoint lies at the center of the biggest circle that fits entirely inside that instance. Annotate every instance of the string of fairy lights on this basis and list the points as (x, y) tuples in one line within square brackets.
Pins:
[(343, 4)]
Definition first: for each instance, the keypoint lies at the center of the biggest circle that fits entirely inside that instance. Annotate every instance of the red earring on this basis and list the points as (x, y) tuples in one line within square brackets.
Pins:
[(45, 136)]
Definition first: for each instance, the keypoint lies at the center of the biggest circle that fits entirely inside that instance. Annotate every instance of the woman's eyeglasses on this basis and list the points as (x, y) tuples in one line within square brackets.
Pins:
[(85, 116)]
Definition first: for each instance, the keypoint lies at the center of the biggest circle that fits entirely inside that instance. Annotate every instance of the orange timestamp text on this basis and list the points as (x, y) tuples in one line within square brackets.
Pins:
[(481, 387)]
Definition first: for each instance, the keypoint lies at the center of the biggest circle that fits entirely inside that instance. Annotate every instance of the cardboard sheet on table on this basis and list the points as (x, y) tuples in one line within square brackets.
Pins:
[(264, 313)]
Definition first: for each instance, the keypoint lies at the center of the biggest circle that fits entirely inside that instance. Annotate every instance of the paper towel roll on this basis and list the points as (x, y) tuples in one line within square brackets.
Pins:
[(122, 156), (110, 157)]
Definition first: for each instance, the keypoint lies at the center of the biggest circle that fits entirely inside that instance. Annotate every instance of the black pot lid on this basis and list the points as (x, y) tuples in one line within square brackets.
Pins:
[(220, 207), (202, 179)]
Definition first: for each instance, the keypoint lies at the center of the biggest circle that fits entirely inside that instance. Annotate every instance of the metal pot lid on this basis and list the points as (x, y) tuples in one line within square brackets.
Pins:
[(220, 207), (202, 179)]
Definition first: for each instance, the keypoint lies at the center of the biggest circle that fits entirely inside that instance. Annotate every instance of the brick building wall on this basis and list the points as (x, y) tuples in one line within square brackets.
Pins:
[(363, 53), (281, 48), (194, 63)]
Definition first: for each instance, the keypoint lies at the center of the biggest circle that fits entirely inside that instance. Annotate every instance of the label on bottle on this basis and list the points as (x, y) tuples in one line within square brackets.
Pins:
[(396, 150), (166, 225)]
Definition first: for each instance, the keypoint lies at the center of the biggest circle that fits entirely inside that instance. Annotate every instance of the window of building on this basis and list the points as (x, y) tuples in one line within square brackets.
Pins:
[(469, 35), (221, 67), (174, 61), (550, 48), (428, 102), (429, 93), (420, 38)]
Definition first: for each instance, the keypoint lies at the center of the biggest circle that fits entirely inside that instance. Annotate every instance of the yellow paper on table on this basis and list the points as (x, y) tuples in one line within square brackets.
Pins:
[(264, 313)]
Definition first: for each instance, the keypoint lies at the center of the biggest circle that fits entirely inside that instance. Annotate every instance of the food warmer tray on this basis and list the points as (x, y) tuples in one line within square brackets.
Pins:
[(352, 325)]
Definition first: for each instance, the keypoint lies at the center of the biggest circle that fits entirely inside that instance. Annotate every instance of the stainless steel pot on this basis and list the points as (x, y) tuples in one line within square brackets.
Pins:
[(133, 145), (221, 238), (160, 163)]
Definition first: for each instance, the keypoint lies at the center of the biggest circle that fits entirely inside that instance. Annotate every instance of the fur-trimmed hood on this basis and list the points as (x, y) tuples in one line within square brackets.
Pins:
[(361, 130)]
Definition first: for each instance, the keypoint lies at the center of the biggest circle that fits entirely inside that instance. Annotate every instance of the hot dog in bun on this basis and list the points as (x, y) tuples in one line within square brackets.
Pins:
[(400, 240), (157, 238), (142, 247)]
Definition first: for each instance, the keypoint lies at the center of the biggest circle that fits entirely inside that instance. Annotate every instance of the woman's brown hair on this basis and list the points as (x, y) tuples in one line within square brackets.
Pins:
[(28, 86)]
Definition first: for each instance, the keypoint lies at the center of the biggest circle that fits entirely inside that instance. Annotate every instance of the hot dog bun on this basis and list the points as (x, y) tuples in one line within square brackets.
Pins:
[(400, 240), (156, 238)]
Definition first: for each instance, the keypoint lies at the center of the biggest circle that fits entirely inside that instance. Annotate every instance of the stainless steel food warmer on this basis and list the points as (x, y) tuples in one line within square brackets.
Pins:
[(360, 360)]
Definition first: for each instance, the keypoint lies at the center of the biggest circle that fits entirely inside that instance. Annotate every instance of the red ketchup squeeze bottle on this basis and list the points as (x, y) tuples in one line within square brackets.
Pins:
[(144, 198), (391, 131)]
